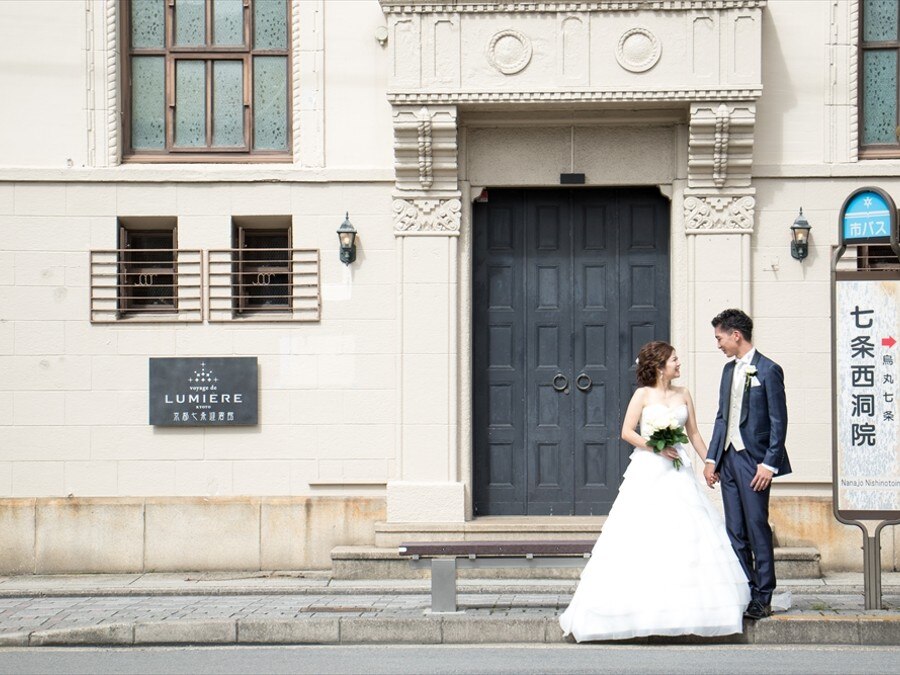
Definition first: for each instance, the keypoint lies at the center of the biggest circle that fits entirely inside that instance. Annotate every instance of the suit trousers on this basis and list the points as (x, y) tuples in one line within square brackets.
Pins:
[(747, 522)]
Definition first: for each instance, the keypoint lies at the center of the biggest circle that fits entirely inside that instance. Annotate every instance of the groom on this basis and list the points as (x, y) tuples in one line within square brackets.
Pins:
[(747, 450)]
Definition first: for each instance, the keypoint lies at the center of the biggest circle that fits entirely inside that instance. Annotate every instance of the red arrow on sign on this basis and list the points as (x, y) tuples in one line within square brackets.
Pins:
[(888, 342)]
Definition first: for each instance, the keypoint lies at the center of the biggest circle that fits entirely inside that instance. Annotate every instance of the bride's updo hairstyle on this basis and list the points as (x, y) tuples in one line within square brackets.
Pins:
[(652, 359)]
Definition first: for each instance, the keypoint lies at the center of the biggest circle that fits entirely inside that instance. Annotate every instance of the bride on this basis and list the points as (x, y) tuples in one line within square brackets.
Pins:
[(663, 564)]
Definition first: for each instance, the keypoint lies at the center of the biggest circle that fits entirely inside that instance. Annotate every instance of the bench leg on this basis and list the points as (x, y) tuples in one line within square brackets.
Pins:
[(443, 585)]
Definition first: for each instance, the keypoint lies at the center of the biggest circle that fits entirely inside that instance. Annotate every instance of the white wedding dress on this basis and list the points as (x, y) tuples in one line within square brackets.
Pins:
[(663, 564)]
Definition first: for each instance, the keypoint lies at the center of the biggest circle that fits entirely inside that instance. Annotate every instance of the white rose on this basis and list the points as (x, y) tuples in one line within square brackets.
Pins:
[(661, 422), (750, 370)]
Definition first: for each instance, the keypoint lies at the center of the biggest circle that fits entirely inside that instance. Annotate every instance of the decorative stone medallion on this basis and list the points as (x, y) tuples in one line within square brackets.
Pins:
[(638, 50), (509, 51)]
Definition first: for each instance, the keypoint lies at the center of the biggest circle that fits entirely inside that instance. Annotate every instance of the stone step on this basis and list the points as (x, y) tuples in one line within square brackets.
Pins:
[(373, 562), (797, 563), (391, 535)]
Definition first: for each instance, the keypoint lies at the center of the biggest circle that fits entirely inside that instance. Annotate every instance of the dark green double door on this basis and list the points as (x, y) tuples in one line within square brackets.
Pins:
[(568, 284)]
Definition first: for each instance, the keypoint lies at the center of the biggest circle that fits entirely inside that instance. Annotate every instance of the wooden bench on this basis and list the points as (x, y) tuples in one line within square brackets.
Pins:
[(444, 558)]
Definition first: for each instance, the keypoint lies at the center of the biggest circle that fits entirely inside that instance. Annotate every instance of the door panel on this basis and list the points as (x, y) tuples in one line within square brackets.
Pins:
[(568, 284), (499, 358), (595, 302), (643, 271), (548, 287)]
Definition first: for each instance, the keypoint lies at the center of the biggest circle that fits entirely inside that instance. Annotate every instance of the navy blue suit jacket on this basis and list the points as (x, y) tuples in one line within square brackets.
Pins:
[(763, 416)]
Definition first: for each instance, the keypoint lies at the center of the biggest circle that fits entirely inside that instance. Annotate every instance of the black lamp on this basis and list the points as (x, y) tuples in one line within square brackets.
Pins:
[(347, 236), (800, 237)]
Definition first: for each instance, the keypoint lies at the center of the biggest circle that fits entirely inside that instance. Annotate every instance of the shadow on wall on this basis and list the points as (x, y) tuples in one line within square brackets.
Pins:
[(779, 89)]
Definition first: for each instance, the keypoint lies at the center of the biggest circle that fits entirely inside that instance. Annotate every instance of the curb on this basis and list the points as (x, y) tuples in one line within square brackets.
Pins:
[(564, 588), (847, 629)]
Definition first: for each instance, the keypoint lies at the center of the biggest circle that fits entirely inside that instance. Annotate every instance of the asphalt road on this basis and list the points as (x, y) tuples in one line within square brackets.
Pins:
[(518, 659)]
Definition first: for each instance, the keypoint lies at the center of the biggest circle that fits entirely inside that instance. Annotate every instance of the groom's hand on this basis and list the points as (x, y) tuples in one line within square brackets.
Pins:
[(762, 480), (709, 473)]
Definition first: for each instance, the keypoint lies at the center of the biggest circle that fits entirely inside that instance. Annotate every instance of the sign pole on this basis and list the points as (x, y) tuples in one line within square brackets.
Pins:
[(872, 570)]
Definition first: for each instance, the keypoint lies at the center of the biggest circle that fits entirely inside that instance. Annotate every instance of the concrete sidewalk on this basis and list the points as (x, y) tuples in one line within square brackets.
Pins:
[(310, 607)]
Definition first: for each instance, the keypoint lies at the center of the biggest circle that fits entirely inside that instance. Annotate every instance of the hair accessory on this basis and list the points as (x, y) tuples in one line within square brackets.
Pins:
[(637, 362)]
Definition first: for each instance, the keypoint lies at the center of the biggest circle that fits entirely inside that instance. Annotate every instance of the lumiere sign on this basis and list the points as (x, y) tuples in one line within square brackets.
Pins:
[(218, 391), (866, 374)]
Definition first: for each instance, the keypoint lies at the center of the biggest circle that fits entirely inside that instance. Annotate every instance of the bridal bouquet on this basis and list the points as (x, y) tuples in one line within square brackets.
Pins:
[(665, 431)]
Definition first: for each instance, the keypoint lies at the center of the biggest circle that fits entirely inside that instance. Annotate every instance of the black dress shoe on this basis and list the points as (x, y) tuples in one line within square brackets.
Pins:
[(756, 610)]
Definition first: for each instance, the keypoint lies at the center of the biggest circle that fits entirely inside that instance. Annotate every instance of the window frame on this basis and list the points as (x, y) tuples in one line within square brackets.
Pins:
[(877, 150), (208, 53)]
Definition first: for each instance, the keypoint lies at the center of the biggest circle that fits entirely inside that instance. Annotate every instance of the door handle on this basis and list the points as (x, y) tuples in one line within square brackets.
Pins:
[(583, 382), (561, 383)]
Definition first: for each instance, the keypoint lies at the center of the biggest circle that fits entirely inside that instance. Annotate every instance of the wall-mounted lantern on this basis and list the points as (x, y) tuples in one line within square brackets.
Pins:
[(347, 236), (800, 237)]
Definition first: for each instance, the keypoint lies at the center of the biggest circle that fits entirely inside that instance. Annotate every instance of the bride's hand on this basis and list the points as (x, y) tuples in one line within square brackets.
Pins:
[(669, 453)]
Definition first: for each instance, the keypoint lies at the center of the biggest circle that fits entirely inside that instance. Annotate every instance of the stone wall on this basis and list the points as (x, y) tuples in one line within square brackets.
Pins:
[(131, 535), (73, 399), (809, 521)]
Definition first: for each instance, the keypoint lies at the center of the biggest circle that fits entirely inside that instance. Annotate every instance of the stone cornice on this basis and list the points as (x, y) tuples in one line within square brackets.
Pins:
[(580, 96), (455, 6), (197, 173)]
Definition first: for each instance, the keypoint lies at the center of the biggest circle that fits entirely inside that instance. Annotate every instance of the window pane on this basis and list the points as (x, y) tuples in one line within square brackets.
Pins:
[(149, 274), (228, 22), (148, 24), (228, 103), (265, 275), (270, 103), (190, 103), (879, 96), (880, 20), (190, 22), (270, 24), (148, 102)]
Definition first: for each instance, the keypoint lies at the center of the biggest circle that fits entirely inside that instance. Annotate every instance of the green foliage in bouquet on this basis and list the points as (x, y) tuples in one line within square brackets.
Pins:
[(667, 436)]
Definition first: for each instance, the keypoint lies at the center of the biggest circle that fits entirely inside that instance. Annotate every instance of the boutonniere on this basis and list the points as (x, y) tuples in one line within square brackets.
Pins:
[(749, 374)]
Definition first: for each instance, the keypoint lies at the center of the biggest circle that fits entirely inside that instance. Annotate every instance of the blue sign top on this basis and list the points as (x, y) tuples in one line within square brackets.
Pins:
[(867, 216)]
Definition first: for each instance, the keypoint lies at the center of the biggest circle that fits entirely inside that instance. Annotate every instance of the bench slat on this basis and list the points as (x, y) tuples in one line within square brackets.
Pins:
[(497, 548)]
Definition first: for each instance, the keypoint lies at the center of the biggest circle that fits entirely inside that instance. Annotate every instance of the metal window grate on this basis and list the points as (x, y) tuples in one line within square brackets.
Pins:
[(878, 257), (869, 258), (264, 284), (146, 285)]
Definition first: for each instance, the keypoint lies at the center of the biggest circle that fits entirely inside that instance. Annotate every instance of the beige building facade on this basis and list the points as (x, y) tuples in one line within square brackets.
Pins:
[(418, 119)]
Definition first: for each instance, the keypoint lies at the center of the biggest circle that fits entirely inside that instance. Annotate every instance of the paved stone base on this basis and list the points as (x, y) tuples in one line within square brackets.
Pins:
[(303, 608)]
